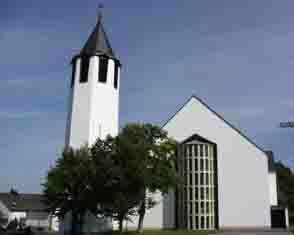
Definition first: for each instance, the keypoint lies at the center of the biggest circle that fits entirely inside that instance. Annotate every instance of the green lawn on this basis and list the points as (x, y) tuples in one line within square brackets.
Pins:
[(168, 232)]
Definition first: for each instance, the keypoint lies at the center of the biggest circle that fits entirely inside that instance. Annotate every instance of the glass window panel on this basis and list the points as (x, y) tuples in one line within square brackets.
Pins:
[(201, 150), (206, 164), (206, 175), (196, 222), (196, 208), (201, 207), (207, 222), (201, 164), (191, 208), (196, 164), (190, 164), (191, 222), (196, 178), (202, 222), (190, 180), (185, 193), (196, 193), (201, 178), (202, 193), (207, 193), (207, 208)]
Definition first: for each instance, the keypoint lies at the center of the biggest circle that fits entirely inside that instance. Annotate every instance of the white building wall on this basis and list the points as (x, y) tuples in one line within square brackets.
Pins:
[(287, 217), (93, 106), (38, 219), (273, 188), (17, 215), (153, 218), (4, 210), (104, 103), (243, 183), (80, 111)]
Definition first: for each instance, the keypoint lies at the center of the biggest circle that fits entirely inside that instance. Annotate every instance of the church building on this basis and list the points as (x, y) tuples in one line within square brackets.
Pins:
[(230, 182)]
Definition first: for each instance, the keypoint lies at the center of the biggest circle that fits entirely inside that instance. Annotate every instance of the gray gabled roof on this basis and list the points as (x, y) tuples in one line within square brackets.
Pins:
[(23, 202), (98, 42)]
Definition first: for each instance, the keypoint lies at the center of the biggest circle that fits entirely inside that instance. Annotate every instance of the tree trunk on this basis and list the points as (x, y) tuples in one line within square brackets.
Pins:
[(81, 223), (120, 225), (74, 224), (142, 211)]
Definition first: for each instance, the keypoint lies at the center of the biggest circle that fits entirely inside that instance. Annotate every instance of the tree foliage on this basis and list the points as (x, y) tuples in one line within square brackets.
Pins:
[(68, 186), (155, 154), (112, 177), (118, 178)]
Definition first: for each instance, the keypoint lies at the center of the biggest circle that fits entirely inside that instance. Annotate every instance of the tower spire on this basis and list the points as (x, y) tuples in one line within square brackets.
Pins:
[(98, 42), (99, 14)]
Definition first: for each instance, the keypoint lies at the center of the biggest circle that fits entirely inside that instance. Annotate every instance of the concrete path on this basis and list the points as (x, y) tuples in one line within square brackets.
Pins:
[(256, 233)]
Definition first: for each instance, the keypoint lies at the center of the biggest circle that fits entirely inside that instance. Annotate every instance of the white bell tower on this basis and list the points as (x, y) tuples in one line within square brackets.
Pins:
[(94, 92)]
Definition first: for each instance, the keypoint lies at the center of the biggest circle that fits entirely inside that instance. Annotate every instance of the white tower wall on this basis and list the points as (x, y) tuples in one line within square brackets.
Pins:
[(93, 105)]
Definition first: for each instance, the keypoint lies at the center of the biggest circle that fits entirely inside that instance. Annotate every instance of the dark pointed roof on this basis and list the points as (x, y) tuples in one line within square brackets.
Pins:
[(98, 42)]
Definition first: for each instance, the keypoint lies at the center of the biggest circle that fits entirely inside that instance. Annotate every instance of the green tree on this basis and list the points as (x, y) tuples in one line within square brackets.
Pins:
[(285, 181), (67, 188), (155, 156), (118, 176)]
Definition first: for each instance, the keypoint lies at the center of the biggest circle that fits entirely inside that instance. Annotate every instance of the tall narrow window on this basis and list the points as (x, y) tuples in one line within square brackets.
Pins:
[(73, 74), (201, 150), (199, 186), (116, 75), (84, 70), (103, 69)]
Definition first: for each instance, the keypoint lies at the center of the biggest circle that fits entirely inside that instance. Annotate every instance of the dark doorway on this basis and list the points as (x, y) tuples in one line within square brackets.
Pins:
[(278, 217)]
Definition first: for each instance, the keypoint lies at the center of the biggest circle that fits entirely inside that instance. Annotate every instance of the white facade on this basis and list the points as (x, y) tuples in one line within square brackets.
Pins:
[(243, 186), (243, 178), (34, 219), (273, 188), (93, 106)]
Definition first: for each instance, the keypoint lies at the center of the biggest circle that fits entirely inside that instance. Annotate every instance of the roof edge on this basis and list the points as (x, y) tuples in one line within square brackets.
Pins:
[(193, 96), (80, 55)]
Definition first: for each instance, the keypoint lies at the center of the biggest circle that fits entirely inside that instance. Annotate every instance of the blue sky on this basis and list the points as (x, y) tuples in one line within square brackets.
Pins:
[(236, 55)]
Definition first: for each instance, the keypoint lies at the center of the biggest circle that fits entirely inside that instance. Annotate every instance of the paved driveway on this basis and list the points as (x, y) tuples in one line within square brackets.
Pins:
[(256, 233)]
